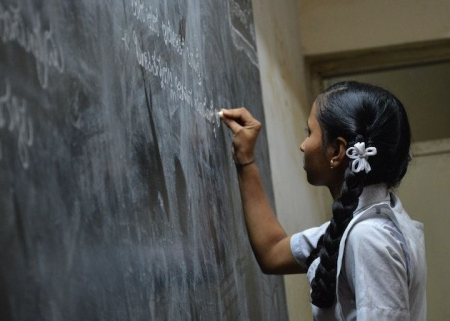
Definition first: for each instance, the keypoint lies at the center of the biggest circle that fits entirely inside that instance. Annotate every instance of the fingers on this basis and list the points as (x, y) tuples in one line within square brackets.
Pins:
[(240, 115), (232, 124), (245, 133), (237, 118)]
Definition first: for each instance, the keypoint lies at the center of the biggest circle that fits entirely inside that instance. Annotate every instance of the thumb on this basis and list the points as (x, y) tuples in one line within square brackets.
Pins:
[(231, 123)]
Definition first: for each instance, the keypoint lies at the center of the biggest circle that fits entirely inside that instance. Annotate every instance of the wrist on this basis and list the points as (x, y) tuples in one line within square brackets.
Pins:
[(243, 158), (240, 165)]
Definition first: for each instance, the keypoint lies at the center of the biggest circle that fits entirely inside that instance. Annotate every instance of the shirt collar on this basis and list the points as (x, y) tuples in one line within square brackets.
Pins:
[(372, 194)]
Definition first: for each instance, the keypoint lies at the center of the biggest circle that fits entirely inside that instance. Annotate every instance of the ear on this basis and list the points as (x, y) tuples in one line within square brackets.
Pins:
[(338, 152)]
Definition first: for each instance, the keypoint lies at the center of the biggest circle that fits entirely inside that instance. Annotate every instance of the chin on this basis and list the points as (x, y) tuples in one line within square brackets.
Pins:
[(309, 179), (314, 181)]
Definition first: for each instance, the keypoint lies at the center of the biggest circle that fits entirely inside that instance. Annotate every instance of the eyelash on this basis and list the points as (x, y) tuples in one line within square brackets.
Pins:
[(307, 132)]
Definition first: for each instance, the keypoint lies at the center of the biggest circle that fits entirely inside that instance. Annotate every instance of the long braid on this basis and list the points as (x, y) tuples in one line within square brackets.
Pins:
[(324, 283)]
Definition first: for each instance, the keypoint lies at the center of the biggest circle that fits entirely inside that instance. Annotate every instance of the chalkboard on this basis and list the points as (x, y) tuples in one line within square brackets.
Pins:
[(119, 196)]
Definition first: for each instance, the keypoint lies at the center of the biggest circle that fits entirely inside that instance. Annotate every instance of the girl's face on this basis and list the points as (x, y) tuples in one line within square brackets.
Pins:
[(316, 162)]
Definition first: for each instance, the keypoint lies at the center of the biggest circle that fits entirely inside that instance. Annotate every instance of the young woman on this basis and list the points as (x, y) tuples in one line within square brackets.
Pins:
[(368, 262)]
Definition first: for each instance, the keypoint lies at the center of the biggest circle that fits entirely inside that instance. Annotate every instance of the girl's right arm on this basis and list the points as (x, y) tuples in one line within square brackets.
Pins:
[(269, 241)]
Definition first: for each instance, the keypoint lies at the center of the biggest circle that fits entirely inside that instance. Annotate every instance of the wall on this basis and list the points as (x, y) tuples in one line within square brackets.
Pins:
[(424, 191), (416, 87), (298, 205), (331, 26), (287, 30), (430, 171)]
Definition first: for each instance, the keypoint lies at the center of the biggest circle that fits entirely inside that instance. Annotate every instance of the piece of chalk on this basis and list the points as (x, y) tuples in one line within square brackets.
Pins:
[(221, 113)]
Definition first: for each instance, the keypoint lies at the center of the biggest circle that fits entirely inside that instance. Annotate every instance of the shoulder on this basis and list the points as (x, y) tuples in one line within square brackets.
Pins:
[(375, 268), (373, 228), (375, 240)]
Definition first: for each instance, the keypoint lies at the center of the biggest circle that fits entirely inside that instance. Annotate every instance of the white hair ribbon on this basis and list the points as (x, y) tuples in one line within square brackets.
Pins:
[(360, 154)]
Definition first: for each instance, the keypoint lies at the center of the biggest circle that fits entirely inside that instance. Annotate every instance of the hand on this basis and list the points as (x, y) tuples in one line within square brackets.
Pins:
[(246, 130)]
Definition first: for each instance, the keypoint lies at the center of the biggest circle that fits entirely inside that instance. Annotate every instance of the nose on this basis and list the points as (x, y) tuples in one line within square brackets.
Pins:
[(302, 146)]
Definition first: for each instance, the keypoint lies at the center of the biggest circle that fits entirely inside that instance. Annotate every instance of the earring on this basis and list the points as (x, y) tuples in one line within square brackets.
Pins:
[(331, 164)]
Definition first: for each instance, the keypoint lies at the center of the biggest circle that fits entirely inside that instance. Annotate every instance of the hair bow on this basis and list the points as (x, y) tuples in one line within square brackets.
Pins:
[(360, 155)]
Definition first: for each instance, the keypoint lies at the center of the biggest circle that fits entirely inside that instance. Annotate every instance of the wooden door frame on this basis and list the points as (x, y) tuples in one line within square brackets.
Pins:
[(323, 66)]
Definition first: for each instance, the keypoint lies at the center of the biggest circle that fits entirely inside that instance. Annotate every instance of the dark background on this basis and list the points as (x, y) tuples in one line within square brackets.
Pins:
[(118, 194)]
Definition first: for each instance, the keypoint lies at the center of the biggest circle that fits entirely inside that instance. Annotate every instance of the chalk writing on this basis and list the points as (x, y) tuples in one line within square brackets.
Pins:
[(146, 14), (33, 39), (154, 64), (242, 30), (176, 41), (171, 37), (13, 116), (160, 69)]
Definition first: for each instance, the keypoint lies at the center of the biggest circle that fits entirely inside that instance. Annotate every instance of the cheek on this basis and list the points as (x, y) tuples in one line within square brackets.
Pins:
[(310, 165), (315, 166)]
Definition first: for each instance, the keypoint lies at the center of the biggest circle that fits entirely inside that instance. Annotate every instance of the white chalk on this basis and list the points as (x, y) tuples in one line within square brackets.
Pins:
[(220, 113)]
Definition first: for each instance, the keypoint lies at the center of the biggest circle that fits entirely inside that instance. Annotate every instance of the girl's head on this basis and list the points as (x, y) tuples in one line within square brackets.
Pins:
[(349, 113), (362, 112)]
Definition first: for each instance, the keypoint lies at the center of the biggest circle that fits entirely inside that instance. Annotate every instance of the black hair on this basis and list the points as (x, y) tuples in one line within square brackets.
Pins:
[(357, 112)]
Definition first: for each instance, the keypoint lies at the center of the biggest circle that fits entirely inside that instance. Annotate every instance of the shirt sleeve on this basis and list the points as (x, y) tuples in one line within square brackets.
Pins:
[(375, 267), (303, 243)]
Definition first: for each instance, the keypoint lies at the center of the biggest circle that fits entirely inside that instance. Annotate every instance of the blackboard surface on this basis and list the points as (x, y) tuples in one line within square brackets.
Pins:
[(119, 197)]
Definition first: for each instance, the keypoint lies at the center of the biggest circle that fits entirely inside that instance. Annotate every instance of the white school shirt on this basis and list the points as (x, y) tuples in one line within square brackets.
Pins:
[(381, 269)]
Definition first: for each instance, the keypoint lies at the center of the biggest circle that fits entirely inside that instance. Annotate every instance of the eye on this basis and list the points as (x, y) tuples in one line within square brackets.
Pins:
[(307, 131)]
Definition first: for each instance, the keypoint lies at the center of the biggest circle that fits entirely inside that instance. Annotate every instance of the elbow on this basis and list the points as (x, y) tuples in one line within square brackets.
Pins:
[(273, 259), (268, 268), (282, 269), (268, 271), (264, 263)]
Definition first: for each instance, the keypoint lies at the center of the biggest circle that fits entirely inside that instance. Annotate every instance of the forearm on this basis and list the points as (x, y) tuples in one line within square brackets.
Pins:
[(269, 241)]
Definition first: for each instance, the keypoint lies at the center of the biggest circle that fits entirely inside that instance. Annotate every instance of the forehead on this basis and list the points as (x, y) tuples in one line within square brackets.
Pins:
[(312, 120)]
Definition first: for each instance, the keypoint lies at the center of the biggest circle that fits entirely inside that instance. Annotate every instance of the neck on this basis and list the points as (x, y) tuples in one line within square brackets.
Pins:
[(336, 189)]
